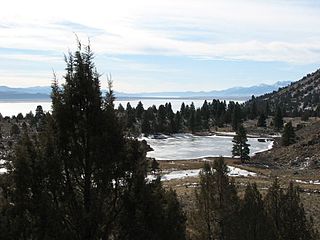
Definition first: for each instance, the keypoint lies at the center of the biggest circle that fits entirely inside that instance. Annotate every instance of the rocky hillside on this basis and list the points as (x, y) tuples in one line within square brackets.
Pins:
[(300, 97), (304, 154)]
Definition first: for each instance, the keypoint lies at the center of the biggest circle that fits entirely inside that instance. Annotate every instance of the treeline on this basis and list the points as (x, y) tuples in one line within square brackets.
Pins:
[(214, 114), (188, 119), (209, 116), (220, 213)]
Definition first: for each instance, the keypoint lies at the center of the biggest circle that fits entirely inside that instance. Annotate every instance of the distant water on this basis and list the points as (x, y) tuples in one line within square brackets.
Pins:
[(14, 108), (188, 146)]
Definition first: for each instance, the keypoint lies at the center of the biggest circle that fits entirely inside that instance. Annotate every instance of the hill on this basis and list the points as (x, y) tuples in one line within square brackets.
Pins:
[(304, 154), (300, 97)]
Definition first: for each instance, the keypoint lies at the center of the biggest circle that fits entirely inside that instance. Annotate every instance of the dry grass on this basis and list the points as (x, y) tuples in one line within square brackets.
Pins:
[(185, 188)]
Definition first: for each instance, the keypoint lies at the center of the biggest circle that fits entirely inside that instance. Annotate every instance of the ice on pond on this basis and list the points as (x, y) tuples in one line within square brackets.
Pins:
[(188, 146)]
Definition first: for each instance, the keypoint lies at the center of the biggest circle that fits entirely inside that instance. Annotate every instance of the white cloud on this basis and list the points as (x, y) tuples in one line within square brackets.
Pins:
[(125, 27), (282, 31)]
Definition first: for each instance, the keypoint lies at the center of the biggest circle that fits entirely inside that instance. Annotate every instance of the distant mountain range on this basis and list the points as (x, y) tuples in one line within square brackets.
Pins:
[(43, 93)]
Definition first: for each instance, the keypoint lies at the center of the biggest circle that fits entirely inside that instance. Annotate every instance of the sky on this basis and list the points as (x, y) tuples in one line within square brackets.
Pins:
[(162, 45)]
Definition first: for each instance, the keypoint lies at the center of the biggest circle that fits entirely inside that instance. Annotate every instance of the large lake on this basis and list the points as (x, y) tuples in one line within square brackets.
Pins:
[(188, 146), (13, 108)]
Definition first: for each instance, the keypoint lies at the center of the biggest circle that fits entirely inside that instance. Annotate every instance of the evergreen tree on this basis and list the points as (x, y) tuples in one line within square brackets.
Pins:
[(288, 136), (273, 201), (205, 113), (192, 121), (278, 119), (178, 123), (145, 125), (240, 145), (262, 121), (149, 212), (253, 111), (162, 120), (139, 110), (131, 118), (236, 116), (254, 221), (15, 130), (71, 180), (217, 204), (294, 224)]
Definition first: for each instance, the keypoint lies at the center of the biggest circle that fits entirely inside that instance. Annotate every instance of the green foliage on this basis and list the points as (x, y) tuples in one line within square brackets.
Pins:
[(288, 136), (15, 130), (78, 177), (150, 212), (286, 213), (253, 110), (262, 121), (219, 214), (254, 221), (240, 145), (278, 119), (217, 204)]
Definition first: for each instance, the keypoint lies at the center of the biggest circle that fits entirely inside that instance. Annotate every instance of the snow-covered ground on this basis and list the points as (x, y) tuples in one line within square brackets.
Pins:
[(308, 182), (188, 146), (233, 172)]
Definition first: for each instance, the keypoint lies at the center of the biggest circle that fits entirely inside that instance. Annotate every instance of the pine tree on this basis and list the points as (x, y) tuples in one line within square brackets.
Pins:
[(15, 130), (236, 116), (149, 212), (294, 224), (254, 221), (262, 121), (145, 124), (240, 145), (273, 201), (139, 110), (278, 119), (192, 121), (74, 179), (217, 204), (131, 118), (253, 111), (288, 136)]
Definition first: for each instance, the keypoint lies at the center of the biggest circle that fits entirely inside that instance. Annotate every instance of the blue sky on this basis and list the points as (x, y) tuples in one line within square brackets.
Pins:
[(167, 45)]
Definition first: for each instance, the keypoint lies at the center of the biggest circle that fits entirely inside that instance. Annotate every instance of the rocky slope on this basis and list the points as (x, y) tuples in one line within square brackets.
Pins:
[(299, 97), (304, 154)]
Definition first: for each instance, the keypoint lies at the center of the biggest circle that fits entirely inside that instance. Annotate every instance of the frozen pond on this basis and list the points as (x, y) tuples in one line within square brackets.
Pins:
[(188, 146)]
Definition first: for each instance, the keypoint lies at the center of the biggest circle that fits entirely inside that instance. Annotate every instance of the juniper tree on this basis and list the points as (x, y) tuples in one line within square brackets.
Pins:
[(217, 204), (262, 121), (278, 119), (70, 180), (139, 110), (236, 115), (288, 136), (240, 145), (254, 223), (273, 201), (294, 224)]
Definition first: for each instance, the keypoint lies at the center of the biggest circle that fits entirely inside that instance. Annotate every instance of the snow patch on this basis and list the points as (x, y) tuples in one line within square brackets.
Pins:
[(317, 182), (181, 174)]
